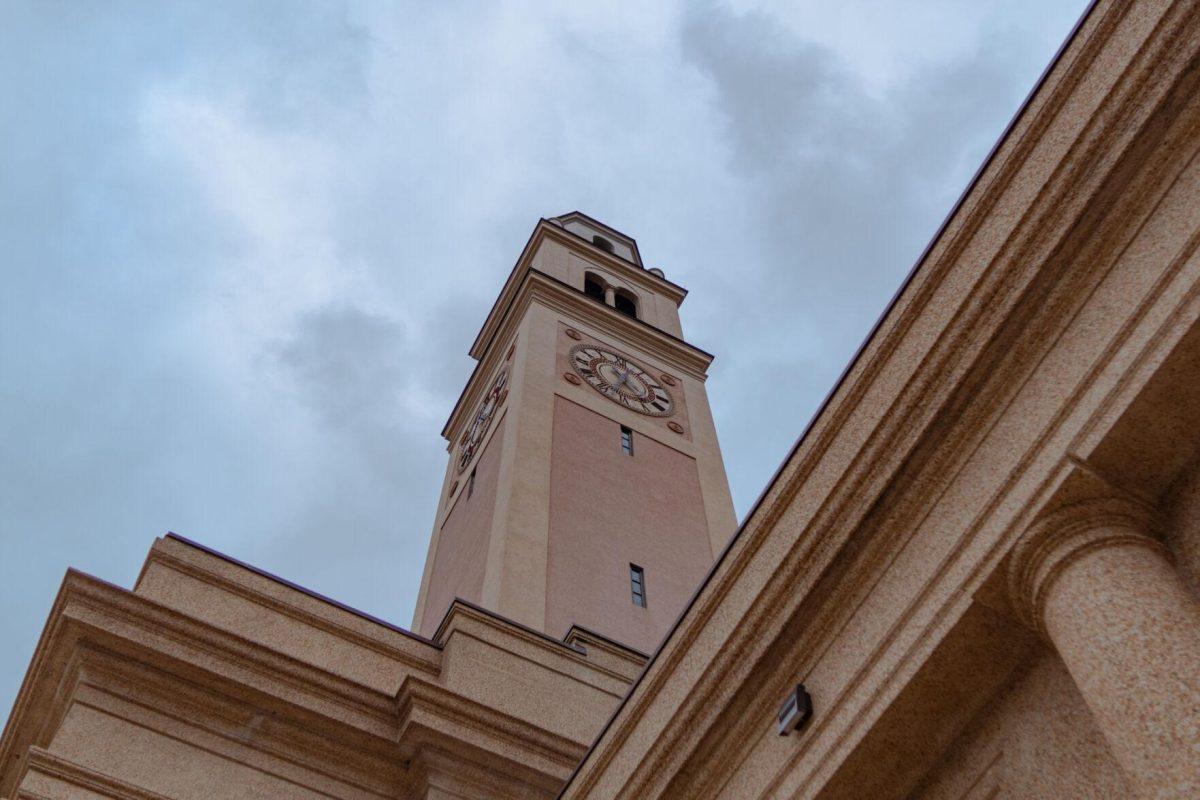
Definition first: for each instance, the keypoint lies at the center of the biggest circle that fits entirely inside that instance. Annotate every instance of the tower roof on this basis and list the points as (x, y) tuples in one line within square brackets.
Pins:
[(601, 235)]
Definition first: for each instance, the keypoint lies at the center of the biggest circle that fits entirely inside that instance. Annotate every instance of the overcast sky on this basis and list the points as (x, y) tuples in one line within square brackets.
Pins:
[(246, 246)]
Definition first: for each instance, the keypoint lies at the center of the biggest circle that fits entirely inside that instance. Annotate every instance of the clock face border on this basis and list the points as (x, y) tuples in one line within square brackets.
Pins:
[(481, 421), (597, 377)]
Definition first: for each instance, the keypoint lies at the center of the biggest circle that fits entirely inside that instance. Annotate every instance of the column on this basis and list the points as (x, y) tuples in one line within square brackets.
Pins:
[(610, 296), (1104, 592)]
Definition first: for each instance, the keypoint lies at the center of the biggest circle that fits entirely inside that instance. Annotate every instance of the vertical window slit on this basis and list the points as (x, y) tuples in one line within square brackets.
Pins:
[(626, 441), (637, 585)]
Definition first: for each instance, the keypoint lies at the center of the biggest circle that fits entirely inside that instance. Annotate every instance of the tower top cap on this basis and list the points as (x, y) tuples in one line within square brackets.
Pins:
[(601, 235)]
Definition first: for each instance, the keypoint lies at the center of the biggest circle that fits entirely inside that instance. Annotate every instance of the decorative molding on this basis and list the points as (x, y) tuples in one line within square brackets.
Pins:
[(79, 776), (442, 774), (466, 610), (264, 737), (570, 301), (213, 578), (593, 643), (1060, 538), (416, 696)]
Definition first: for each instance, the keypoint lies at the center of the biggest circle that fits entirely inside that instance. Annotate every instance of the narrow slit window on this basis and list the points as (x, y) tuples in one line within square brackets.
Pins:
[(626, 441), (637, 585), (471, 483)]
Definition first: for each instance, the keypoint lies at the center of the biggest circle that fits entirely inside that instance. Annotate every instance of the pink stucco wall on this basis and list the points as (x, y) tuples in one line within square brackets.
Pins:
[(608, 510), (458, 565)]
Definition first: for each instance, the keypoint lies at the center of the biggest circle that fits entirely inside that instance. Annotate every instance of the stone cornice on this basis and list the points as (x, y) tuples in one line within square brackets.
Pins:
[(464, 609), (537, 286), (554, 293), (587, 668), (444, 774), (630, 661), (433, 714), (153, 698), (900, 414), (419, 654), (1061, 537), (80, 777)]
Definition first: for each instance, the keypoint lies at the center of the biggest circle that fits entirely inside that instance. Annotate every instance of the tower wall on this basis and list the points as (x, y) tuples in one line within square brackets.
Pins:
[(459, 565), (609, 510)]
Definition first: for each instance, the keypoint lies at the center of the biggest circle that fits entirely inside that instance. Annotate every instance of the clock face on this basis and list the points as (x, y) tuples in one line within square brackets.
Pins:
[(621, 380), (472, 438)]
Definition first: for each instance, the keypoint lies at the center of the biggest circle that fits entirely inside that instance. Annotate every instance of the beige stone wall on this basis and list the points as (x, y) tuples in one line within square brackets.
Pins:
[(216, 680), (176, 759), (1037, 739)]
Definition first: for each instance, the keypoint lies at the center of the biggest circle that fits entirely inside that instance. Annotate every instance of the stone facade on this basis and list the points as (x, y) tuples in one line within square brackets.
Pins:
[(980, 559)]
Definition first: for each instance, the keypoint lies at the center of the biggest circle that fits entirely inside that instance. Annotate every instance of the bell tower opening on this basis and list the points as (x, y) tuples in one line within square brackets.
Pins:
[(593, 288), (625, 303)]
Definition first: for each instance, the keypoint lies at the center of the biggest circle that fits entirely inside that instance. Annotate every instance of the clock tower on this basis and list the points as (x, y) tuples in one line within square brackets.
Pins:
[(585, 485)]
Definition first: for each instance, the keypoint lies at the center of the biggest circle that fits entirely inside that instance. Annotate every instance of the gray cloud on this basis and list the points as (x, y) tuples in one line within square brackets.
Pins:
[(347, 365), (246, 246), (845, 181)]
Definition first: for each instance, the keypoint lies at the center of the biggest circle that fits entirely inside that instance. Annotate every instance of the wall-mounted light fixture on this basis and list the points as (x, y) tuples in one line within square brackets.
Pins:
[(795, 711)]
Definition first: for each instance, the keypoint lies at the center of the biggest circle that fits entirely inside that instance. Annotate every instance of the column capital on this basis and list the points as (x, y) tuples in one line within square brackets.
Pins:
[(1056, 540)]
